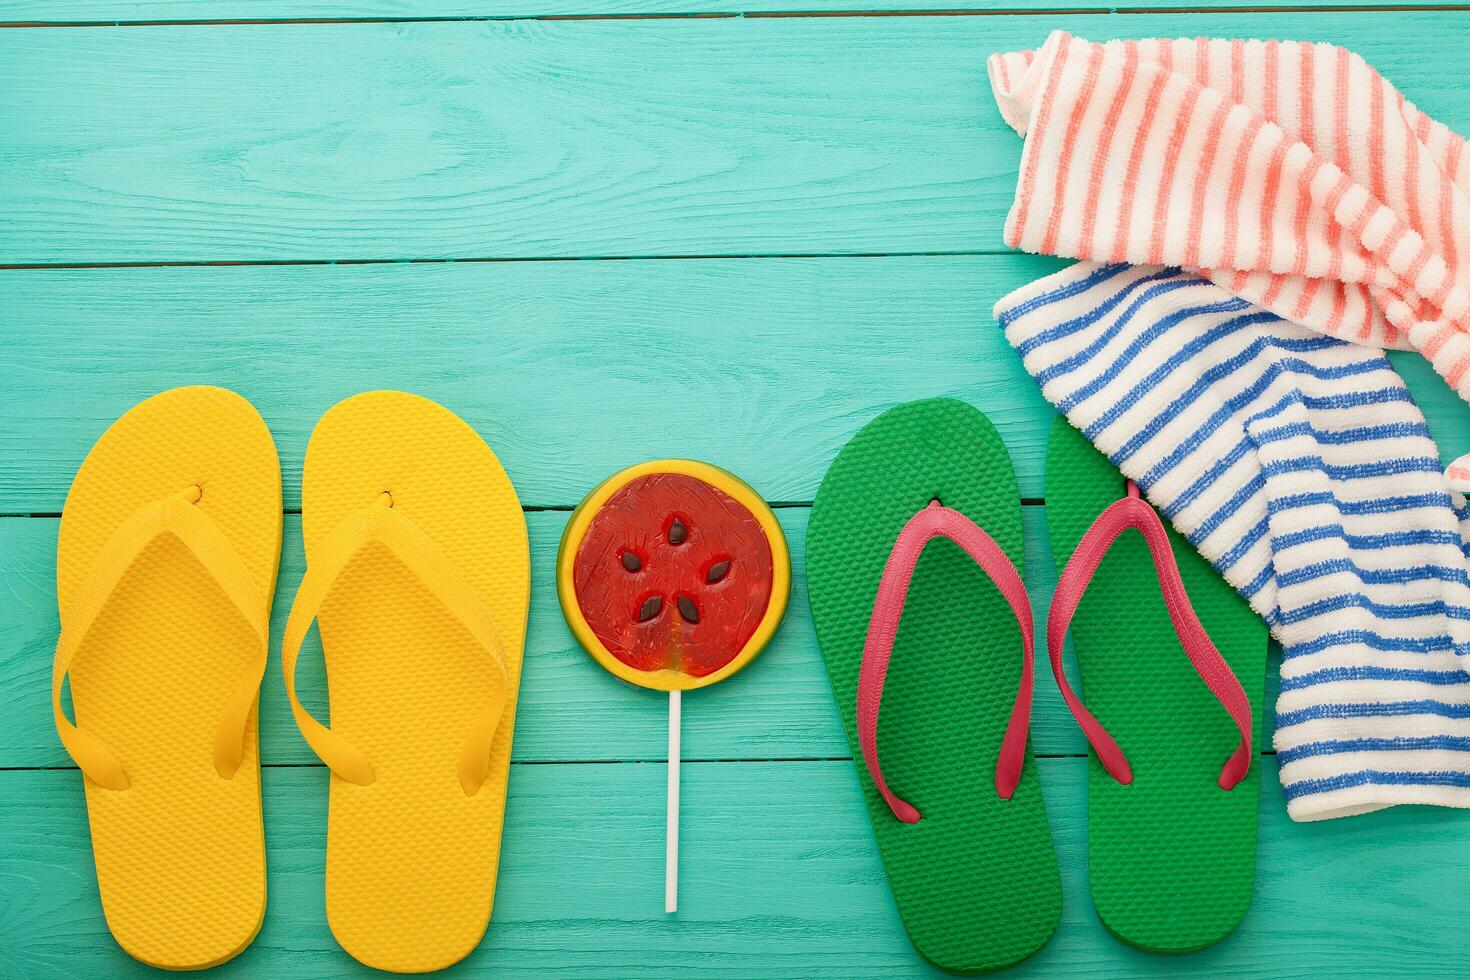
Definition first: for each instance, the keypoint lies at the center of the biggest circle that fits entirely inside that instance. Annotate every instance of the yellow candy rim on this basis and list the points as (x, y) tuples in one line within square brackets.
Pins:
[(666, 679)]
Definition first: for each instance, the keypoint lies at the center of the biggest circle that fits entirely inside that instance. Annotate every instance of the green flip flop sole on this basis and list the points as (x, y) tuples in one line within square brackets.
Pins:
[(975, 880), (1172, 856)]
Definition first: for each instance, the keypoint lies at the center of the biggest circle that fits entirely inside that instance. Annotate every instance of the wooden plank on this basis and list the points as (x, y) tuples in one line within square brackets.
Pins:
[(779, 859), (766, 367), (570, 709), (722, 136), (203, 11), (570, 370)]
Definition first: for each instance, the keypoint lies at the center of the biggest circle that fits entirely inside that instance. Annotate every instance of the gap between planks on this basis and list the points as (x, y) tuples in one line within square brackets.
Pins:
[(471, 260), (1264, 754), (525, 508), (751, 15)]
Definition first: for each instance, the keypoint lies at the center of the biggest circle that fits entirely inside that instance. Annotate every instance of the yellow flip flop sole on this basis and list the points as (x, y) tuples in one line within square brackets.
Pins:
[(418, 575), (165, 569)]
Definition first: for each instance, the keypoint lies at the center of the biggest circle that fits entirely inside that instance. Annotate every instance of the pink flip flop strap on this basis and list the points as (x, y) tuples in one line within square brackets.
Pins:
[(1133, 512), (932, 522)]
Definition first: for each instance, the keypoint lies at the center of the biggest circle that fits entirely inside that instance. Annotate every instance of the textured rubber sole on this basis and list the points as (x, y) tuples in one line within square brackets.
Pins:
[(411, 859), (180, 853), (975, 880), (1172, 856)]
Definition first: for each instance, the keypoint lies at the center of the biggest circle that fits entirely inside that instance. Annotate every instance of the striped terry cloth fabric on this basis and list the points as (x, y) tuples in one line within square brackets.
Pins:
[(1301, 468), (1291, 174)]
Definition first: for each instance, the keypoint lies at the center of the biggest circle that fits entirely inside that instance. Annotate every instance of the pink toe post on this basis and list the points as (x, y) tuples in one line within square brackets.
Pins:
[(1132, 512), (932, 522)]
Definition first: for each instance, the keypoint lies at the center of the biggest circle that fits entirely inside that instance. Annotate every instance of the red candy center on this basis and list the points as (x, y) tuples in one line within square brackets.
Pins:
[(673, 573)]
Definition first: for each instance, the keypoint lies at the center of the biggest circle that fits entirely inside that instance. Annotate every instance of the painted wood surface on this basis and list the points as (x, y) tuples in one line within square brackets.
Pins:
[(477, 129), (568, 369), (663, 137), (103, 12), (780, 879)]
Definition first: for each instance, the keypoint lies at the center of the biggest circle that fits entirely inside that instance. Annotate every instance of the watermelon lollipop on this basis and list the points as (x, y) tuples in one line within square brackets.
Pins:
[(673, 574)]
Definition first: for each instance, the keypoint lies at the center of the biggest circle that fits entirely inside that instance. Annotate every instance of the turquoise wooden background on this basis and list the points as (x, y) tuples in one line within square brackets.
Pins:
[(599, 230)]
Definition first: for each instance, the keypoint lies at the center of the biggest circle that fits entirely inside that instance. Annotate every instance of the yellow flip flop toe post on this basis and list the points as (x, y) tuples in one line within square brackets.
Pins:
[(165, 568), (418, 577)]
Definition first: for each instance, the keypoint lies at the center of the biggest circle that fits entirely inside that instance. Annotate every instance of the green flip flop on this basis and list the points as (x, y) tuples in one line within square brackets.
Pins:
[(972, 872), (1171, 854)]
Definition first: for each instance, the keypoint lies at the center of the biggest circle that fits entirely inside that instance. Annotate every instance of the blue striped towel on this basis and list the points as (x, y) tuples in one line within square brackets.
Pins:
[(1301, 468)]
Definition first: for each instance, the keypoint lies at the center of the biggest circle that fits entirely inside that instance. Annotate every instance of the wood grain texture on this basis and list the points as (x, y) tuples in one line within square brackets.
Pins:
[(527, 138), (723, 136), (570, 709), (203, 11), (570, 370), (780, 878)]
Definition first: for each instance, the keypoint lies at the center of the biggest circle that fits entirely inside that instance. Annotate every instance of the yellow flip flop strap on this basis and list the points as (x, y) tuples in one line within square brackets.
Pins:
[(176, 516), (380, 523)]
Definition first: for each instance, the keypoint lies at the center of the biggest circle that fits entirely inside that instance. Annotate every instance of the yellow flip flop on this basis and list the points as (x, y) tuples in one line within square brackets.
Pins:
[(165, 569), (418, 576)]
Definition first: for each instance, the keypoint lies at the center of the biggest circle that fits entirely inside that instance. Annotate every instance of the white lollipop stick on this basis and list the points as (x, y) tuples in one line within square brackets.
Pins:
[(671, 832)]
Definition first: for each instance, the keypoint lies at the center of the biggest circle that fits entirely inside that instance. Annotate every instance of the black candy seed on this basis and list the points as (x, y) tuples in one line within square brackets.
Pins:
[(688, 609), (631, 562), (651, 607), (677, 532), (717, 571)]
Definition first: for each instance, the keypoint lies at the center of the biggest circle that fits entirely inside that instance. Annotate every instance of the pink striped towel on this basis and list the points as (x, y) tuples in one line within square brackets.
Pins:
[(1291, 174)]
